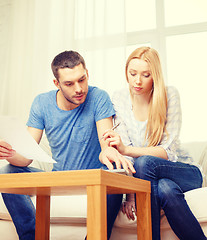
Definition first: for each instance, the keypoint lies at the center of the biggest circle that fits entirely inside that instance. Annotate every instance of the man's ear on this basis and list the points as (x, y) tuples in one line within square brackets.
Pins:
[(56, 82), (87, 73)]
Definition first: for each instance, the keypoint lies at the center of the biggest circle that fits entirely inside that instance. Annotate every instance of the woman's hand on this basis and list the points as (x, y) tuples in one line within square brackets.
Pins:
[(6, 150), (128, 208), (113, 139)]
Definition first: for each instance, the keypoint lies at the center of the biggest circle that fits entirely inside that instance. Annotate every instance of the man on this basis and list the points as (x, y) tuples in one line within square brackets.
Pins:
[(6, 150), (74, 118)]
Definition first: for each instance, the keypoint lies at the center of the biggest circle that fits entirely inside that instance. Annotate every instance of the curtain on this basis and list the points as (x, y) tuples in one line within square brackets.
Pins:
[(33, 32), (4, 51), (100, 34)]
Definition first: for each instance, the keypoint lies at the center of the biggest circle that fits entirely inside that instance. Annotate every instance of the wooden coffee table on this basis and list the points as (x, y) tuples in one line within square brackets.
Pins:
[(95, 183)]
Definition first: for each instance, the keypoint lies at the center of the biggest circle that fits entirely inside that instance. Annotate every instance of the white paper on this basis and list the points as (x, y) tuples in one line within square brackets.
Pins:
[(14, 132)]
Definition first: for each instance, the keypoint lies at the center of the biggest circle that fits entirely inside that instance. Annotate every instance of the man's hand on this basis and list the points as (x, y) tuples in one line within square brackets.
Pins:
[(6, 150), (109, 155)]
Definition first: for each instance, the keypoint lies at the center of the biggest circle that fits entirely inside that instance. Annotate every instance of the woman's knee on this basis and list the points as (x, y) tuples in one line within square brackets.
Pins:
[(169, 192), (143, 165), (143, 161)]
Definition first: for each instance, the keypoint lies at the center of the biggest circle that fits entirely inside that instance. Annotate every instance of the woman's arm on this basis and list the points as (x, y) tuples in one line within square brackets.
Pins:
[(114, 140), (167, 147), (170, 141), (140, 151)]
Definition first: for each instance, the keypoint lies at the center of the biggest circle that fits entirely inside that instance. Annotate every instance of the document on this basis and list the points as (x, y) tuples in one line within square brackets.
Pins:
[(14, 132), (120, 171)]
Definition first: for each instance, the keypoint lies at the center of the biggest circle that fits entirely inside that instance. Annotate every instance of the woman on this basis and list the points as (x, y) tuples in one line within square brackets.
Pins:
[(150, 117)]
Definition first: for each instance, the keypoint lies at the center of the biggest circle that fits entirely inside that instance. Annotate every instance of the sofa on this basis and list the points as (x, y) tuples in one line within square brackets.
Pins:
[(68, 213)]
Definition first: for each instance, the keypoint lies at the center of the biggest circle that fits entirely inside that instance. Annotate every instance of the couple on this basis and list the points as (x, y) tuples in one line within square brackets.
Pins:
[(76, 119)]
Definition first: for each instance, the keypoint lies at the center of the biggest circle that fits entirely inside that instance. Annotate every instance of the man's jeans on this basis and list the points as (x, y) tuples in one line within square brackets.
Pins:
[(23, 212), (169, 180)]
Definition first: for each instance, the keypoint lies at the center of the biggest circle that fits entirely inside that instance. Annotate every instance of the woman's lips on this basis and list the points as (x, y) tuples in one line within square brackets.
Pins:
[(138, 89)]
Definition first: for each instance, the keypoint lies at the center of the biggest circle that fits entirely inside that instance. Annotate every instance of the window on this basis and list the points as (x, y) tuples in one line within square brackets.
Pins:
[(140, 15), (185, 12), (186, 62), (181, 43), (105, 32)]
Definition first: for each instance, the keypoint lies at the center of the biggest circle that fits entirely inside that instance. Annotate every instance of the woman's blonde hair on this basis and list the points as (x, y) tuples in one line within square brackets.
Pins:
[(158, 102)]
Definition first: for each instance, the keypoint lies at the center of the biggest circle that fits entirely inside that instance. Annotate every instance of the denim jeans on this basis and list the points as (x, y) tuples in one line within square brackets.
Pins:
[(20, 207), (23, 212), (169, 180)]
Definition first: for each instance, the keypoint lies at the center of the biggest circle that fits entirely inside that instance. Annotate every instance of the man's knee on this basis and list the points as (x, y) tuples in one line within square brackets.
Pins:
[(14, 169), (9, 169)]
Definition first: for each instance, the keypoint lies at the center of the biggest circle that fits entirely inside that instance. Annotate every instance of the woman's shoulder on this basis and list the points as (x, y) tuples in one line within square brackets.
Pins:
[(173, 99), (172, 90), (172, 93)]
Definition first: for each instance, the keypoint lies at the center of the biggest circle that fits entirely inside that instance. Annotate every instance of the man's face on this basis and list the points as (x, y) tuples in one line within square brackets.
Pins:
[(73, 85)]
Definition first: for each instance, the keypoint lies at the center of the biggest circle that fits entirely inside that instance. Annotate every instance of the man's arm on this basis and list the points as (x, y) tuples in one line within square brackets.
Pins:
[(17, 159), (109, 154), (36, 133)]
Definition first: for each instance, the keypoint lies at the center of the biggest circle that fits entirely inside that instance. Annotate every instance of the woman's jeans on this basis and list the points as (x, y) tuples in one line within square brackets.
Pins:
[(23, 212), (169, 180)]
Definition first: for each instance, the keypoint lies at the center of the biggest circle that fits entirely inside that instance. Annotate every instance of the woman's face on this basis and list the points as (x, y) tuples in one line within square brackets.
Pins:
[(139, 77)]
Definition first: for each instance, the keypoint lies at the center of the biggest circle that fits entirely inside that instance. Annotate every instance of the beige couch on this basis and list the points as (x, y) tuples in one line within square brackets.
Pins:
[(68, 214)]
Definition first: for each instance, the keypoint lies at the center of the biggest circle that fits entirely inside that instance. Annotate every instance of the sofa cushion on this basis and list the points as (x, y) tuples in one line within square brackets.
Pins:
[(67, 207), (195, 149), (198, 151), (196, 200), (63, 208), (203, 164), (3, 210), (73, 209), (123, 221)]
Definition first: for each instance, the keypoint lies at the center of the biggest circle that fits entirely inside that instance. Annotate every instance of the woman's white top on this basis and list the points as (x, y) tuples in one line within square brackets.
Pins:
[(132, 131)]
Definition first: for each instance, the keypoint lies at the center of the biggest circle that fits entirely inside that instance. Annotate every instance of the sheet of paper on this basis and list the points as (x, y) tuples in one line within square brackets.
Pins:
[(14, 132), (120, 171)]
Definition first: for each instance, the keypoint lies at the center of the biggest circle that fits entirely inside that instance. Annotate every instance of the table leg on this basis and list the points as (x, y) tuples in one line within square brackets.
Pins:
[(96, 212), (144, 227), (42, 228)]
